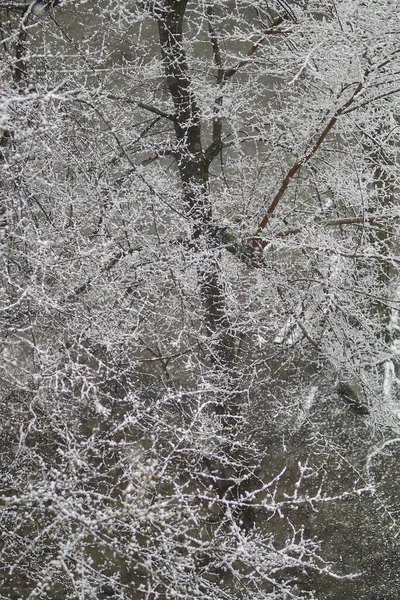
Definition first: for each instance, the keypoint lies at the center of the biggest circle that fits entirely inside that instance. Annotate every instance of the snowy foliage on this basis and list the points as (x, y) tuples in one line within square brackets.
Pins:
[(199, 241)]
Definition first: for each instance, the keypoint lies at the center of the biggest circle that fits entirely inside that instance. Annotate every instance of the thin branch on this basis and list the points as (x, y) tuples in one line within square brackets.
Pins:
[(339, 222), (143, 105), (344, 109), (115, 159), (15, 5), (84, 287), (148, 161), (270, 31), (216, 145), (224, 74), (359, 220), (257, 243), (374, 99), (124, 153)]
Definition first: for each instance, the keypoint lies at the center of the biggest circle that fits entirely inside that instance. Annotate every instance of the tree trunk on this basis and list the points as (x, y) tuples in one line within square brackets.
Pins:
[(193, 164)]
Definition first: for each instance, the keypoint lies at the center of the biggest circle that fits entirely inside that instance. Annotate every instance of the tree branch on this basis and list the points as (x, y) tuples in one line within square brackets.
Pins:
[(344, 109), (224, 74), (270, 31), (143, 105), (257, 243), (339, 222), (216, 145)]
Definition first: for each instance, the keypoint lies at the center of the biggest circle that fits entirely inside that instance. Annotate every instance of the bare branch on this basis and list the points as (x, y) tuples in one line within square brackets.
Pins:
[(303, 160), (216, 145), (143, 105), (224, 74), (344, 221)]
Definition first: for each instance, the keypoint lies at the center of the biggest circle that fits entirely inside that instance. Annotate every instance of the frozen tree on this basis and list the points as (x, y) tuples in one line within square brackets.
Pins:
[(199, 299)]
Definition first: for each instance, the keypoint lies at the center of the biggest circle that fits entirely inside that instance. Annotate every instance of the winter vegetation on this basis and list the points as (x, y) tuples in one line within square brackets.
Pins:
[(199, 301)]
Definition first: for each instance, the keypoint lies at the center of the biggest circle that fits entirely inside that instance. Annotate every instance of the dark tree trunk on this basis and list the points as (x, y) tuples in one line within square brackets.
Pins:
[(193, 163)]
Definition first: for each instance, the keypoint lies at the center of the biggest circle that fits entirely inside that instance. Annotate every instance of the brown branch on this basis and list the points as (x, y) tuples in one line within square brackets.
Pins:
[(149, 160), (344, 109), (358, 220), (264, 222), (160, 153), (303, 160), (270, 31), (155, 110), (332, 223), (84, 287)]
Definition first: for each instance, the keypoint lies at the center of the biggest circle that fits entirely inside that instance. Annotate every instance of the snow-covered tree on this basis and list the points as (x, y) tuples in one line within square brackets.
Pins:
[(199, 300)]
